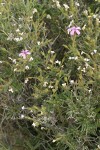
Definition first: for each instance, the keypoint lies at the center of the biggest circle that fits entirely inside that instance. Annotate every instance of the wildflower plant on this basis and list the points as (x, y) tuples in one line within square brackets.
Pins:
[(49, 74)]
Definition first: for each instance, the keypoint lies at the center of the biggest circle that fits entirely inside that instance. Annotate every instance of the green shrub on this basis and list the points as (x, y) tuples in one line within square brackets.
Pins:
[(49, 75)]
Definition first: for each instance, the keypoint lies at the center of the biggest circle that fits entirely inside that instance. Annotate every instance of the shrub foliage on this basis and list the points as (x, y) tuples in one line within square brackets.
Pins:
[(49, 75)]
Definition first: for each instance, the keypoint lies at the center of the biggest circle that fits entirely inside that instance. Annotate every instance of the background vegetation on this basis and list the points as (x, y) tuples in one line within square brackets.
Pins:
[(50, 99)]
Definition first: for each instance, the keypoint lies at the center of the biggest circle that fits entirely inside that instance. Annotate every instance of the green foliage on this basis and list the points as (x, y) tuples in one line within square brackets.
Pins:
[(50, 98)]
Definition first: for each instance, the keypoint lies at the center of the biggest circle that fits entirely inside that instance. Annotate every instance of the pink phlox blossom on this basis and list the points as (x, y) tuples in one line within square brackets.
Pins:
[(24, 53), (74, 30)]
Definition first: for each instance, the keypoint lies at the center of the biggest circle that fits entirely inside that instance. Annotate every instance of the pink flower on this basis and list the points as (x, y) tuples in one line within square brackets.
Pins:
[(74, 30), (24, 53)]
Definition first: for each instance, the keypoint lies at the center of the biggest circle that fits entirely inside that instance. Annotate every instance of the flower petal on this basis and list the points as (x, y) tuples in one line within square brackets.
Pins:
[(69, 30), (20, 54), (78, 32), (72, 32), (78, 28), (24, 56)]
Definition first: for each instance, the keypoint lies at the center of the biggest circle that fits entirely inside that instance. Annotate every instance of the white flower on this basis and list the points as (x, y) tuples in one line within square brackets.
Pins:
[(79, 68), (82, 53), (71, 23), (11, 90), (31, 111), (21, 19), (62, 66), (17, 30), (48, 16), (84, 70), (70, 16), (58, 4), (85, 12), (70, 58), (92, 53), (87, 65), (18, 39), (31, 17), (20, 26), (73, 58), (99, 146), (66, 6), (22, 116), (76, 57), (50, 87), (71, 81), (54, 141), (77, 4), (2, 3), (15, 69), (42, 113), (45, 84), (31, 58), (42, 128), (83, 28), (14, 61), (86, 59), (38, 42), (35, 11), (95, 51), (64, 84), (21, 33), (26, 80), (48, 67), (27, 67), (0, 62), (33, 124), (14, 24), (52, 52), (58, 62), (89, 90), (23, 107), (95, 15)]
